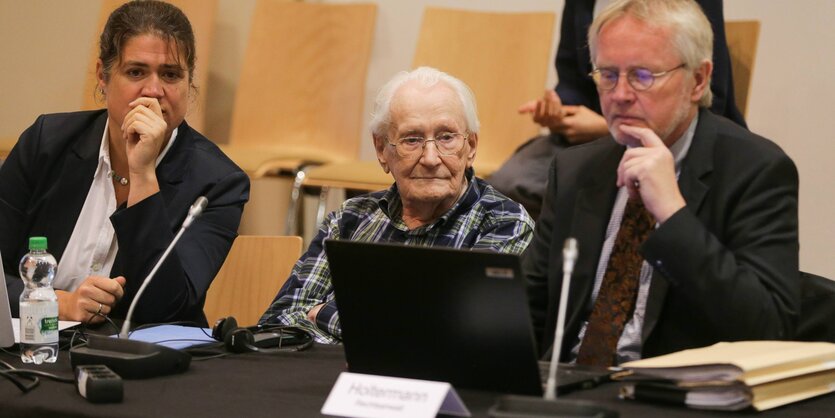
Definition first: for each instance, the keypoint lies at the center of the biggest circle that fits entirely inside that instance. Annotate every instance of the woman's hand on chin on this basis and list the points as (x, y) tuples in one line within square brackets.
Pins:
[(144, 131)]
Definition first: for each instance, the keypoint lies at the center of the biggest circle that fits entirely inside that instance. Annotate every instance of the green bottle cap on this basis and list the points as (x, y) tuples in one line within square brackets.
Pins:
[(37, 243)]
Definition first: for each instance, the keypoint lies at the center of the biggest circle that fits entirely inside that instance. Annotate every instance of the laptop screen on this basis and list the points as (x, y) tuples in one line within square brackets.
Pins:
[(440, 314), (6, 330)]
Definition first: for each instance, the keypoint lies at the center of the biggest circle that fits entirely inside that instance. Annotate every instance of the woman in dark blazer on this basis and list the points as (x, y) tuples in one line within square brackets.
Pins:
[(110, 188)]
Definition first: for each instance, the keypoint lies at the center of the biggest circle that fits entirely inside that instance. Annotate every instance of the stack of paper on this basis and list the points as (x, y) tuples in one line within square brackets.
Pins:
[(732, 376)]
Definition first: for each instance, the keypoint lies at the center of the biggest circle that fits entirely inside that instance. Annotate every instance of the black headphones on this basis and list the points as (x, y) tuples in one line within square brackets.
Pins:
[(242, 339)]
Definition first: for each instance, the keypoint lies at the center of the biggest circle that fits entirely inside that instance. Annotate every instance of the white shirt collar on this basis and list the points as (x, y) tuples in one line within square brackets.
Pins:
[(681, 147)]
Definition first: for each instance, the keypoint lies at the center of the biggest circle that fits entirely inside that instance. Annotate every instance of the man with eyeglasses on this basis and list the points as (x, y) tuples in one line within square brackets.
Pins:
[(425, 132), (686, 222), (571, 110)]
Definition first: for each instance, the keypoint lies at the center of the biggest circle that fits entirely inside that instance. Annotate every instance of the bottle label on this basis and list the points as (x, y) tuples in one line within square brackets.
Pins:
[(38, 322)]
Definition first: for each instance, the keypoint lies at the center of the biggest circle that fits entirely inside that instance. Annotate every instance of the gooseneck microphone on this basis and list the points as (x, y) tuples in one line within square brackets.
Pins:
[(569, 257), (193, 213), (133, 359)]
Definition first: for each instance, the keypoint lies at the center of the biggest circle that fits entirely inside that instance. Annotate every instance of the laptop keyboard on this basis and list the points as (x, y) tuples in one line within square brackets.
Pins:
[(573, 376)]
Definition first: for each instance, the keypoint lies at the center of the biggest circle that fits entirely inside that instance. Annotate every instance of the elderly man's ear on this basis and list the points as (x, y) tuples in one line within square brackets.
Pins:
[(380, 147), (472, 141)]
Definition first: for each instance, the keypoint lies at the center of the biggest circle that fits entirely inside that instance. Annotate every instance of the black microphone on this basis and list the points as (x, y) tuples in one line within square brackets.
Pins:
[(138, 359), (548, 405)]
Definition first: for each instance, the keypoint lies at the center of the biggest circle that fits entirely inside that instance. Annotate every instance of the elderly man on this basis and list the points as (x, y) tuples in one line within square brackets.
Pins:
[(687, 223), (425, 132)]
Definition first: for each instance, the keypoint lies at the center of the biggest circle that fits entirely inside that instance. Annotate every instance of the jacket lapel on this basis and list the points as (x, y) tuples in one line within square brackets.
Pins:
[(170, 172), (592, 210), (695, 170), (698, 164), (72, 185), (173, 167)]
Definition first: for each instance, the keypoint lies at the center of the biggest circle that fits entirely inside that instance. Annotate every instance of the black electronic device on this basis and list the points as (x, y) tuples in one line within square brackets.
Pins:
[(512, 406), (99, 384), (458, 316), (572, 377), (260, 338), (432, 313), (131, 359)]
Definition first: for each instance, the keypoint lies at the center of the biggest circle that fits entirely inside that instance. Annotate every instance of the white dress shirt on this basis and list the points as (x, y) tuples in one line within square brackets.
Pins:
[(92, 247)]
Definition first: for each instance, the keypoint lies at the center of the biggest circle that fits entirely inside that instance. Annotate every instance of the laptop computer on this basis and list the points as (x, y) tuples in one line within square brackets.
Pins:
[(440, 314), (6, 326)]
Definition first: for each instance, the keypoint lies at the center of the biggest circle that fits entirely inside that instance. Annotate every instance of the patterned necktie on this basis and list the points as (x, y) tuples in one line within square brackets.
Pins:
[(616, 298)]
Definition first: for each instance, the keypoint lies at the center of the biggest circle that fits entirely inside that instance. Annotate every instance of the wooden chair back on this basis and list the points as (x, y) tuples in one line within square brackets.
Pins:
[(503, 57), (254, 271), (302, 84), (742, 36), (201, 14)]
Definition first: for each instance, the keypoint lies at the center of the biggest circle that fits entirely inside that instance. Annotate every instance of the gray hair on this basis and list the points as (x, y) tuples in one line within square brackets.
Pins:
[(692, 33), (427, 77)]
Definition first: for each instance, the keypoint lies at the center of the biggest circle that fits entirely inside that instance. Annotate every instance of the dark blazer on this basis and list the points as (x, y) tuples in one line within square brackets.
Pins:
[(43, 186), (725, 266), (573, 59)]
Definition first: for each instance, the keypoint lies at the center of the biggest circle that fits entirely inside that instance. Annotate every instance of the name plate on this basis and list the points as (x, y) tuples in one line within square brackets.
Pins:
[(370, 396)]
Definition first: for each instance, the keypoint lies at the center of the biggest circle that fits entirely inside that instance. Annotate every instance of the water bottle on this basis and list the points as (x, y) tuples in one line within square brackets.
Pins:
[(38, 305)]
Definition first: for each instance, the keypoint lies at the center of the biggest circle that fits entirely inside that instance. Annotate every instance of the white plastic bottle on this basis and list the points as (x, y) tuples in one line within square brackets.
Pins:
[(38, 305)]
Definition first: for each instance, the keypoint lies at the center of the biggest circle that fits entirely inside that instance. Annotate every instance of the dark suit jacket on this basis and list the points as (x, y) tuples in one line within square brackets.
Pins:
[(573, 60), (725, 266), (43, 186)]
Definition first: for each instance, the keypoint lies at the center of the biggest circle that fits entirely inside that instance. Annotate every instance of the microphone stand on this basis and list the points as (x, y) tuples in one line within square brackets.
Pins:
[(195, 211), (548, 405), (132, 359)]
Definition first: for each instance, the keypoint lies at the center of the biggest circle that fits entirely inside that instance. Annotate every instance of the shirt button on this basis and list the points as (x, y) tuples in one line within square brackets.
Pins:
[(96, 266)]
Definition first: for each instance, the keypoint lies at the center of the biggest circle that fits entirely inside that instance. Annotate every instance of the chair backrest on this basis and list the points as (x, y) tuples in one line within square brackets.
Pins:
[(742, 36), (201, 14), (503, 57), (302, 82), (817, 309), (254, 271)]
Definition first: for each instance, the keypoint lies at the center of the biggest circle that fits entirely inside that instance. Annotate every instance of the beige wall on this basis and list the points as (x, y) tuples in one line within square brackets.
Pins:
[(46, 42), (43, 54)]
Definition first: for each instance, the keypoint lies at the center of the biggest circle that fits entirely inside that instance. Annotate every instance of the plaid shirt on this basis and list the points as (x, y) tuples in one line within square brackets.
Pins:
[(481, 219)]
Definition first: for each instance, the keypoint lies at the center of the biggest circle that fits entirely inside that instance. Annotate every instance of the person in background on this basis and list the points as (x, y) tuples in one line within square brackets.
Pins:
[(425, 132), (571, 111), (686, 222), (110, 188)]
